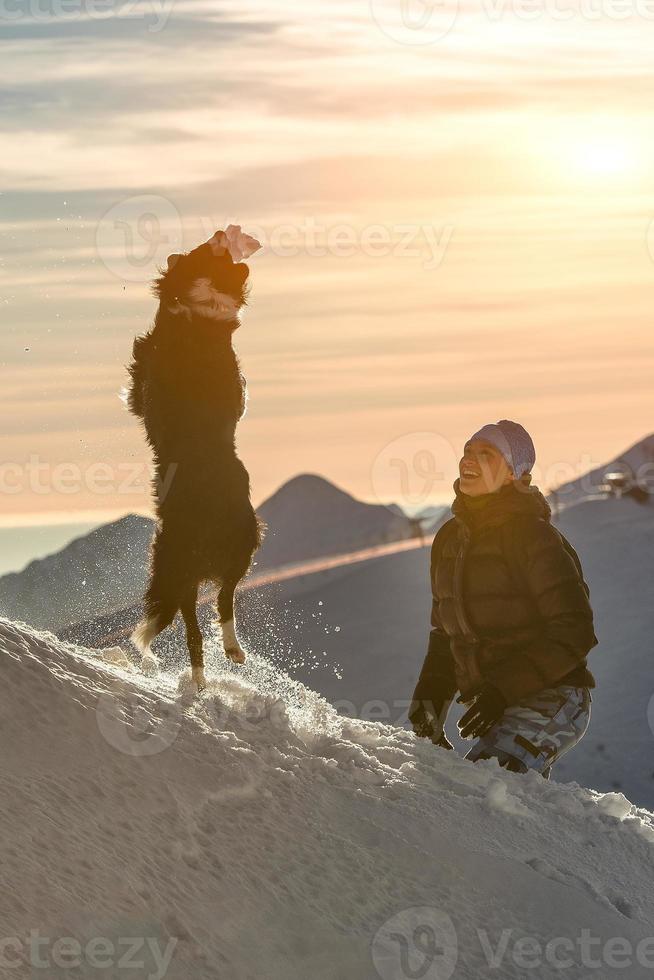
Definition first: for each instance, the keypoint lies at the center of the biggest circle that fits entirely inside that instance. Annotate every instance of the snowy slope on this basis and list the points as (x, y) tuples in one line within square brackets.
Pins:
[(251, 833)]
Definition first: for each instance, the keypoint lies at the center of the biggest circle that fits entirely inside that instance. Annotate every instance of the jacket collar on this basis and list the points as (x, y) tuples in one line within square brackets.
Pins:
[(517, 497)]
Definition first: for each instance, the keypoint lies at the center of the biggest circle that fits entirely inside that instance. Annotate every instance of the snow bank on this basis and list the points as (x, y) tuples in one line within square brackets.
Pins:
[(253, 833)]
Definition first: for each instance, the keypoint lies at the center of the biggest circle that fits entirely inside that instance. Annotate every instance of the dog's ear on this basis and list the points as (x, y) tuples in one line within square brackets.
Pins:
[(242, 270), (173, 260), (219, 245)]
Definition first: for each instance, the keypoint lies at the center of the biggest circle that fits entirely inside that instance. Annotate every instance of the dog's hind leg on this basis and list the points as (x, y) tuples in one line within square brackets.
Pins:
[(233, 649), (188, 608), (160, 603)]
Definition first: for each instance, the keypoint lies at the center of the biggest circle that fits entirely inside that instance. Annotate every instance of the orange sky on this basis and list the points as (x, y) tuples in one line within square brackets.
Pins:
[(456, 209)]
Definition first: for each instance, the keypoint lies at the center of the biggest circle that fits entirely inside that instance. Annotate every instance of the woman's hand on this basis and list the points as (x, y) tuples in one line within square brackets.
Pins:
[(426, 726), (484, 712)]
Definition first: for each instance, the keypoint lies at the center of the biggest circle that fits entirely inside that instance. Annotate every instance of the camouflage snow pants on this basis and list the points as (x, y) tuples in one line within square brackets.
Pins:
[(537, 732)]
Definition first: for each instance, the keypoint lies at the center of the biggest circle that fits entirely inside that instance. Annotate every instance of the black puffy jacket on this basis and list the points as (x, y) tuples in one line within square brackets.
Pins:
[(510, 605)]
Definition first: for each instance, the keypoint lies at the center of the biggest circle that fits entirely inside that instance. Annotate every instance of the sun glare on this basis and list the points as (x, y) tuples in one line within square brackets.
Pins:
[(604, 157), (604, 150)]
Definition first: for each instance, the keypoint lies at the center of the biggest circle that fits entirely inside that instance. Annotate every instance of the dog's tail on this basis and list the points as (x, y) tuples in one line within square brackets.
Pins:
[(153, 623), (159, 613), (164, 596)]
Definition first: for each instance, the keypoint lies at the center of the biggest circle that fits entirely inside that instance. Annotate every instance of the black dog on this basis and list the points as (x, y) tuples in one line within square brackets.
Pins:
[(187, 388)]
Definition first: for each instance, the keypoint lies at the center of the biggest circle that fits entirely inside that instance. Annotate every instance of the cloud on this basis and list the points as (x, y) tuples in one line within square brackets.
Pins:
[(277, 114)]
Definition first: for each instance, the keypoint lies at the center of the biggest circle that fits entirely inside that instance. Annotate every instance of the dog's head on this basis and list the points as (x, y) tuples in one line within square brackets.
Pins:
[(207, 282)]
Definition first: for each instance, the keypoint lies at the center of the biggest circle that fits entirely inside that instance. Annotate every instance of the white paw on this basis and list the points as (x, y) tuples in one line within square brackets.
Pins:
[(236, 654), (149, 665), (197, 674)]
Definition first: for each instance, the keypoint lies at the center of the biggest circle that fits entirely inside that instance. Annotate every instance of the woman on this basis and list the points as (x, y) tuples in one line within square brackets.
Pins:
[(511, 618)]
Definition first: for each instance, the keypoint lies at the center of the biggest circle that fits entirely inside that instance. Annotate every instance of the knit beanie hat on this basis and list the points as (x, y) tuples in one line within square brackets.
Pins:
[(513, 441)]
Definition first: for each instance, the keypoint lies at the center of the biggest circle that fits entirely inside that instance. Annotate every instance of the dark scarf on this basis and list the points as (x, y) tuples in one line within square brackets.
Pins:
[(517, 497)]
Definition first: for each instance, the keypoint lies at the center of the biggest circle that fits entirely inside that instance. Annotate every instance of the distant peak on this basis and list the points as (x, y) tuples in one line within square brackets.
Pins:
[(310, 484), (307, 479)]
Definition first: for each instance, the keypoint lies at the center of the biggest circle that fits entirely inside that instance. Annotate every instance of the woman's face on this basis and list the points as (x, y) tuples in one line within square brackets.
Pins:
[(483, 469)]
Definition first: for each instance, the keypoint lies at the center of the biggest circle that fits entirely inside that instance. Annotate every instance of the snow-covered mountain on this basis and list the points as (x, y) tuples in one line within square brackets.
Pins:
[(309, 517), (639, 459), (251, 832), (106, 570), (100, 571)]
